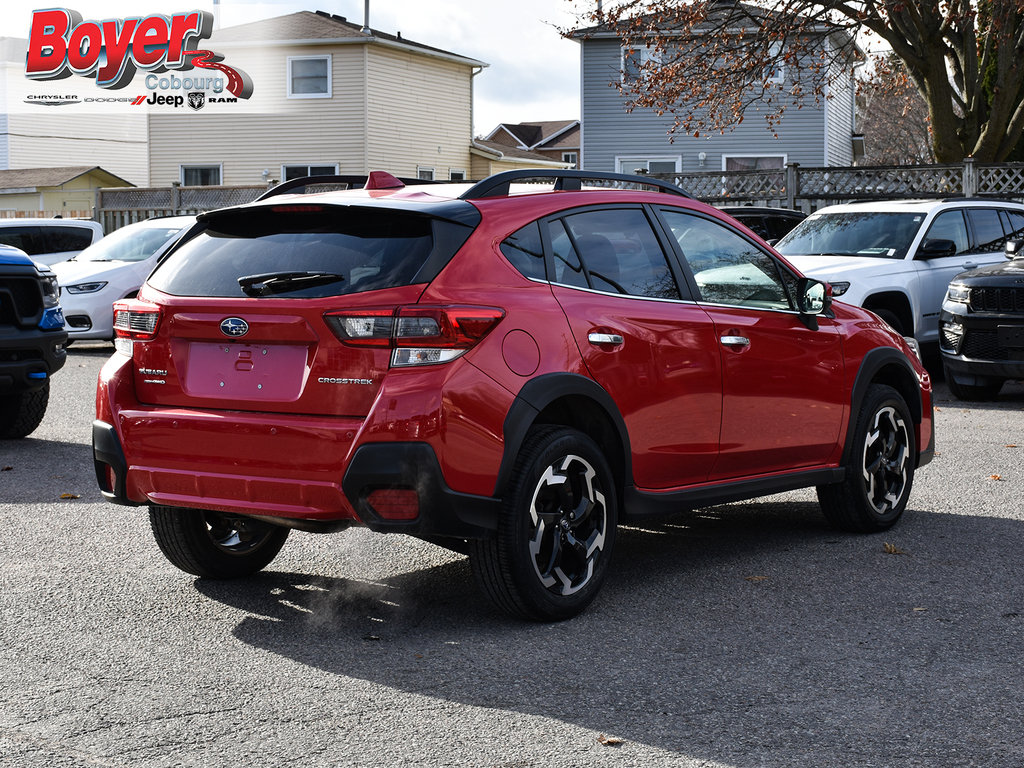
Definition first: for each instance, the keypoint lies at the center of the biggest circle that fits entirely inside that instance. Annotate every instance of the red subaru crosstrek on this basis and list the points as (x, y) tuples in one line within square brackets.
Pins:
[(508, 369)]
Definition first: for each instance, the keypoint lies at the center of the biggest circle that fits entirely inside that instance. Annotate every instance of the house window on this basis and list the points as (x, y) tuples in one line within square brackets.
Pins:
[(638, 60), (570, 157), (753, 162), (424, 174), (289, 172), (642, 165), (457, 175), (775, 72), (200, 175), (309, 77)]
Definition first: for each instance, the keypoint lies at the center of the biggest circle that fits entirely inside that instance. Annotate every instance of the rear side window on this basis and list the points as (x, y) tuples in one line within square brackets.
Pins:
[(308, 252), (56, 239), (1013, 223), (25, 238), (621, 253), (568, 268), (988, 230)]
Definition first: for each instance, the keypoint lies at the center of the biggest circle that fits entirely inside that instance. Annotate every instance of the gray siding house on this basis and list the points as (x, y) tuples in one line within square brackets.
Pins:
[(614, 139)]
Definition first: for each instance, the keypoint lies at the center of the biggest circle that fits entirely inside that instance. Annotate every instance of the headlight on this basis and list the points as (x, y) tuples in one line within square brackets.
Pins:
[(51, 292), (838, 289), (85, 287), (958, 293)]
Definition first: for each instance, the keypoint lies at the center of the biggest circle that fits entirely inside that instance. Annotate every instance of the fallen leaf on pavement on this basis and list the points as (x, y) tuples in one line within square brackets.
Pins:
[(995, 477), (70, 496), (609, 741), (892, 549)]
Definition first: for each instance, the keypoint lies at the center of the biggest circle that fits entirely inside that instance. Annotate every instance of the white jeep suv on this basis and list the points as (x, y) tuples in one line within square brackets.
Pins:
[(897, 258)]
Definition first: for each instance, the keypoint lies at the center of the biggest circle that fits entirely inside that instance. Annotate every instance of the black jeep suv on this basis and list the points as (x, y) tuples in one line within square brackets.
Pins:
[(981, 329)]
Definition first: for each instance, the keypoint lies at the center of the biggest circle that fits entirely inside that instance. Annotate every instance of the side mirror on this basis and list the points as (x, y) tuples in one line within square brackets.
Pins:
[(937, 248), (813, 296), (1014, 249)]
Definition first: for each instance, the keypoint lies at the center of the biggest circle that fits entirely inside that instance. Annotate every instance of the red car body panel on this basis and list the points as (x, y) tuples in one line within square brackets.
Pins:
[(270, 424)]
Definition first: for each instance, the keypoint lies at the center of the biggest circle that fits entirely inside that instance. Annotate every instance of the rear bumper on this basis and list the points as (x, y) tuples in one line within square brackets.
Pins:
[(442, 512)]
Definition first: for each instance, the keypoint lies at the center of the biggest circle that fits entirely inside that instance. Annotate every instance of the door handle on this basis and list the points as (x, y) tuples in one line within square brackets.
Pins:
[(613, 339), (736, 341)]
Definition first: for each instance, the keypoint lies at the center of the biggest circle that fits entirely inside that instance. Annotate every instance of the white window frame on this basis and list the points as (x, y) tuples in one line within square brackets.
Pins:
[(307, 166), (571, 157), (779, 75), (330, 84), (629, 163), (648, 53), (422, 169), (782, 156), (460, 171), (205, 166)]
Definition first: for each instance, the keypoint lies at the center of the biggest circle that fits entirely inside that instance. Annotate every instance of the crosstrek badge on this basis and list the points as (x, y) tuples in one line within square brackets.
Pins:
[(112, 51)]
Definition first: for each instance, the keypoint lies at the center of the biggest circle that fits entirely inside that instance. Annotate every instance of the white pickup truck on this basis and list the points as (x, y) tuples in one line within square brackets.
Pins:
[(897, 257)]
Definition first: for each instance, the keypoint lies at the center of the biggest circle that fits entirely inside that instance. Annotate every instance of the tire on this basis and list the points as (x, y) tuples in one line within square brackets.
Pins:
[(557, 531), (986, 390), (215, 545), (22, 412), (879, 468)]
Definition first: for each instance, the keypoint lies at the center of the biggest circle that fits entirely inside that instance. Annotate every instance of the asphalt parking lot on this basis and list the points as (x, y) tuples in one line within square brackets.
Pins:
[(744, 635)]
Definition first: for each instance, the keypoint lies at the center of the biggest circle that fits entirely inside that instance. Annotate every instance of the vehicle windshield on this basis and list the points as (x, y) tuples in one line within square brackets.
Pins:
[(129, 244), (853, 233)]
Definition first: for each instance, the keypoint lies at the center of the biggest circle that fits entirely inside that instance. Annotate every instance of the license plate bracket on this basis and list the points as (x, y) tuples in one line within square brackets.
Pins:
[(1010, 336), (245, 371)]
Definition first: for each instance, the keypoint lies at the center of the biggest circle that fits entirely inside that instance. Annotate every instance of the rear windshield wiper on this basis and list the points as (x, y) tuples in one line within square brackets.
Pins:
[(281, 282)]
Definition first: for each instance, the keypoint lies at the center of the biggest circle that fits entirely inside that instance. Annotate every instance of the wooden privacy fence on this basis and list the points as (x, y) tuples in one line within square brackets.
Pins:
[(790, 187)]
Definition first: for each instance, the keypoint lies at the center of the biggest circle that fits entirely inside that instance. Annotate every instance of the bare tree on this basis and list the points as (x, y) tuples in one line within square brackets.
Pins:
[(893, 117), (704, 62)]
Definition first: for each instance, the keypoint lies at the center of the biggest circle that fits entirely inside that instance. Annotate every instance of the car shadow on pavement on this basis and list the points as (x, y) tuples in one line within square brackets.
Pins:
[(748, 634)]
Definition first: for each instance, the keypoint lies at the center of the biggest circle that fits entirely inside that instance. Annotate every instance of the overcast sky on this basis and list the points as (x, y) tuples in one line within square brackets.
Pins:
[(533, 72)]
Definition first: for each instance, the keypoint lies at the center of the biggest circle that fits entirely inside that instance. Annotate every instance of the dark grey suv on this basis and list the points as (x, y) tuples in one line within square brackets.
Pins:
[(981, 329)]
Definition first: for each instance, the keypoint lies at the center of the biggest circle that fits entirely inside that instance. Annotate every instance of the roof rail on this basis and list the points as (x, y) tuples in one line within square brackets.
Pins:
[(565, 180), (356, 181)]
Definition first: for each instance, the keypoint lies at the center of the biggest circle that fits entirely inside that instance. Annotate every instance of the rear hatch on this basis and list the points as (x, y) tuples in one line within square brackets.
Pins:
[(287, 307)]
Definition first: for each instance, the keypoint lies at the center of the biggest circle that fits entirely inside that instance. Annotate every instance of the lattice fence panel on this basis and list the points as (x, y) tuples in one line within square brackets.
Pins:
[(738, 185), (1004, 180), (208, 198), (127, 198), (881, 182)]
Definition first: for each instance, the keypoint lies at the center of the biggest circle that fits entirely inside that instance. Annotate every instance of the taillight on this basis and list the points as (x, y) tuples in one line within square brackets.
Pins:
[(134, 320), (417, 335)]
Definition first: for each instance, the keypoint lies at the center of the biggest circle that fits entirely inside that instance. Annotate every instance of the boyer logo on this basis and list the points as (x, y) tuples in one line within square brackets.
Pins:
[(61, 44)]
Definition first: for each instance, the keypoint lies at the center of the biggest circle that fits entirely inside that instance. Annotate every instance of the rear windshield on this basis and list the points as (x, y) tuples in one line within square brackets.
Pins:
[(308, 252), (853, 233)]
